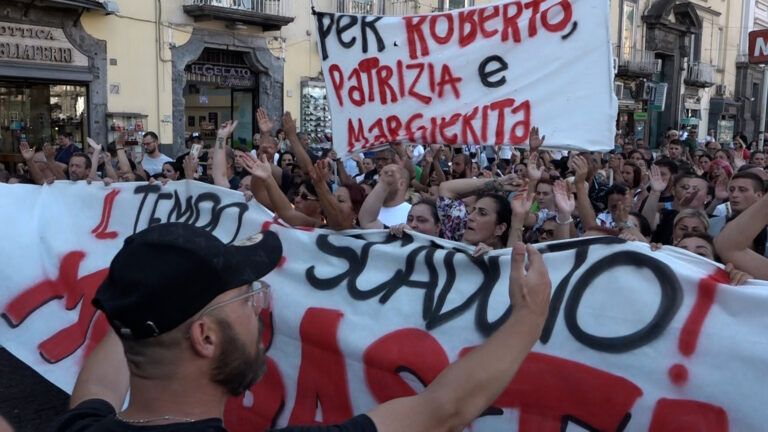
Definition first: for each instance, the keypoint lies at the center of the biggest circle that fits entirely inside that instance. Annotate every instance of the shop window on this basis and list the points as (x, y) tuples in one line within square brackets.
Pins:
[(221, 87), (38, 113), (315, 114)]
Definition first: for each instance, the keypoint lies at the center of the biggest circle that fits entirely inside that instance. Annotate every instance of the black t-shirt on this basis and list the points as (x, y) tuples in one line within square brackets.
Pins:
[(97, 415)]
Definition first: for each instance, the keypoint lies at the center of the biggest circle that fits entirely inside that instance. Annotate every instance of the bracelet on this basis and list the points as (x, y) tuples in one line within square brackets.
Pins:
[(557, 220)]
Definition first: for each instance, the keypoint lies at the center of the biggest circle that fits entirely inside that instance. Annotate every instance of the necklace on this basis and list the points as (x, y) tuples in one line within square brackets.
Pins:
[(154, 419)]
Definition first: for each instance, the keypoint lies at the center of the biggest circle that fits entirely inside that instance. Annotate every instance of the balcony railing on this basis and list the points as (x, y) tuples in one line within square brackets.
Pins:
[(382, 7), (637, 63), (700, 75), (269, 14)]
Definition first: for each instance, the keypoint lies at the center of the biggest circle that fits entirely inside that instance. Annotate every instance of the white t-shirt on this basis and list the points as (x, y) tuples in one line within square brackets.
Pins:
[(418, 152), (154, 165), (391, 216)]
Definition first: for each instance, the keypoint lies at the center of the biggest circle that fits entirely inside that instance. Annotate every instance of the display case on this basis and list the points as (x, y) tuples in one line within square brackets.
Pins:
[(315, 113), (134, 124)]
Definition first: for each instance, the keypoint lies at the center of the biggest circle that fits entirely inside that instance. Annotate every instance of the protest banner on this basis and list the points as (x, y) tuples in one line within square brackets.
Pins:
[(635, 340), (481, 75)]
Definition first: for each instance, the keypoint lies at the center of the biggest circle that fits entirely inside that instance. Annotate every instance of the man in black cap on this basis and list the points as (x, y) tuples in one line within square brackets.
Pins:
[(190, 332)]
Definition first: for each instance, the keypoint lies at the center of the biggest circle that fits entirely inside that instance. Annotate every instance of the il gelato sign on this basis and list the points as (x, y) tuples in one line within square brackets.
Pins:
[(227, 76)]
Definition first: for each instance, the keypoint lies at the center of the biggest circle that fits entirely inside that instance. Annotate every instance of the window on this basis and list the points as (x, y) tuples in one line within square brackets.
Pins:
[(627, 29), (720, 54), (695, 54), (459, 4)]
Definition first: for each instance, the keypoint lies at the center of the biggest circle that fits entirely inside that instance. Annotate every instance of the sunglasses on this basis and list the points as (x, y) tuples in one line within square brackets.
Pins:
[(258, 297)]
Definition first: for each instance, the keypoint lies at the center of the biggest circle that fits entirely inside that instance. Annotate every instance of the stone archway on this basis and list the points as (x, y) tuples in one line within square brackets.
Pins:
[(257, 56)]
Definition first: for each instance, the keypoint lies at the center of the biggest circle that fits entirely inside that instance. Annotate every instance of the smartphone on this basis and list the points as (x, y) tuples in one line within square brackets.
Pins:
[(195, 150)]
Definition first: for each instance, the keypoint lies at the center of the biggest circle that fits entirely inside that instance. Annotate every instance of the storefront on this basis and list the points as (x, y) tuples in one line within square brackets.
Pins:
[(221, 87), (216, 78), (51, 80)]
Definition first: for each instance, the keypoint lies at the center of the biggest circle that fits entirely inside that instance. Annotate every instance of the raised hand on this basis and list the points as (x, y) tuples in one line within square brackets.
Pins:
[(387, 176), (321, 168), (658, 184), (534, 141), (580, 168), (96, 147), (521, 203), (120, 142), (563, 200), (190, 166), (529, 291), (265, 123), (258, 168), (289, 125), (226, 129), (534, 172), (26, 152)]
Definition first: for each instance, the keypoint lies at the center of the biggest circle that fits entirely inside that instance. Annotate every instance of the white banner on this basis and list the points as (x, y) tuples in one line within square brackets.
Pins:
[(481, 75), (635, 340)]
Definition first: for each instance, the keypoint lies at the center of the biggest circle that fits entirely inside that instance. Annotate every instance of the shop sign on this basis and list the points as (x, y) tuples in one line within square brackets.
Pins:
[(641, 116), (758, 46), (38, 44), (227, 76), (690, 121)]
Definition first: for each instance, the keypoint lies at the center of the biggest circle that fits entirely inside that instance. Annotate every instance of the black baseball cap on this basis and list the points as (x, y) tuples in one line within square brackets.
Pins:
[(167, 273)]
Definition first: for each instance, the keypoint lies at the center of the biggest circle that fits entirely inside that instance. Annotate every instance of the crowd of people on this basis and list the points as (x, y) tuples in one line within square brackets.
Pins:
[(183, 358), (689, 193)]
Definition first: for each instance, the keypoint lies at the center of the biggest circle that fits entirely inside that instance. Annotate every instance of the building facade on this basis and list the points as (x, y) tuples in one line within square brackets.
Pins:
[(749, 78), (675, 66), (97, 68)]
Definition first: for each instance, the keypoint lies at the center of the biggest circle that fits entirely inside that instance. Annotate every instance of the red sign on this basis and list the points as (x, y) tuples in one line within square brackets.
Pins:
[(758, 46)]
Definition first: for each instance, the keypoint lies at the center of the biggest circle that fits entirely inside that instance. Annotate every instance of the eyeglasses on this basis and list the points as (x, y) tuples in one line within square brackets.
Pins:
[(259, 298)]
